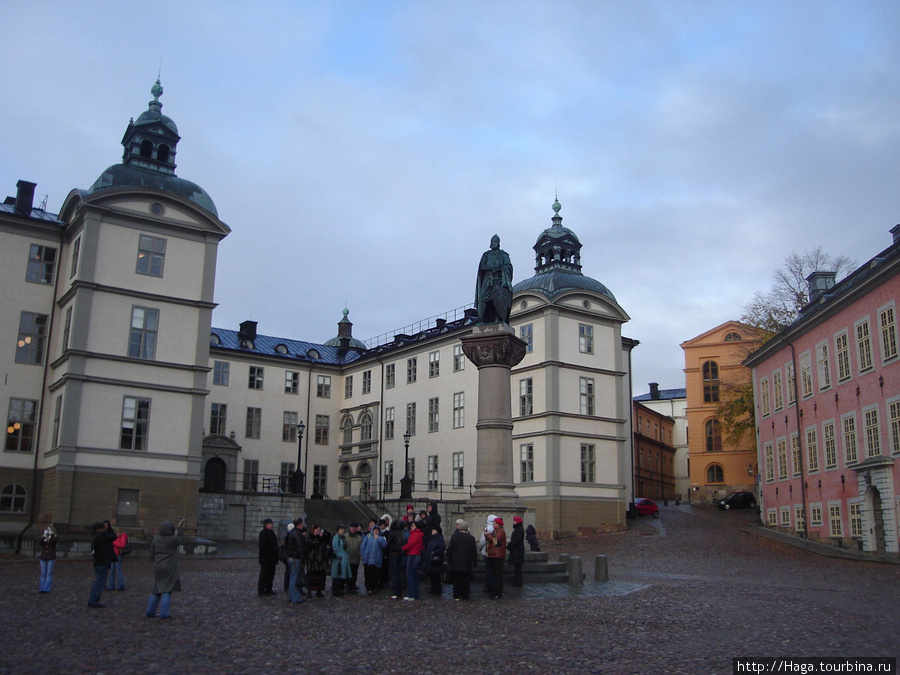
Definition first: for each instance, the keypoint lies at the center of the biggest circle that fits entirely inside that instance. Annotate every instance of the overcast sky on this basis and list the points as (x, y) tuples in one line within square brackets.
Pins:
[(364, 153)]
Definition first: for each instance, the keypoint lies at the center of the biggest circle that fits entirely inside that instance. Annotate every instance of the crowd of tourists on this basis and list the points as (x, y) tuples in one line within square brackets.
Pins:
[(394, 554)]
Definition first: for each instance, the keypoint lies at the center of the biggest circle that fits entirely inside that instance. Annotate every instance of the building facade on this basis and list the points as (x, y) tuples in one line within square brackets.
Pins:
[(827, 397), (712, 363), (112, 302), (123, 402), (654, 453), (570, 405), (672, 403)]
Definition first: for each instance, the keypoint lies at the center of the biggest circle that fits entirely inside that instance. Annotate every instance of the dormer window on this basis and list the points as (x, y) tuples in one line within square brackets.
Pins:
[(312, 354), (214, 339), (247, 344), (281, 349)]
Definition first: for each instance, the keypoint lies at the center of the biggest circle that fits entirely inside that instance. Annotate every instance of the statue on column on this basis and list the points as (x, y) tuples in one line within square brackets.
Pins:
[(494, 290)]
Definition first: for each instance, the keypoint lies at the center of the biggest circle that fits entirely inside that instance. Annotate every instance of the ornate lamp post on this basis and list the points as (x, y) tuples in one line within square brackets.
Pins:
[(297, 477), (406, 482)]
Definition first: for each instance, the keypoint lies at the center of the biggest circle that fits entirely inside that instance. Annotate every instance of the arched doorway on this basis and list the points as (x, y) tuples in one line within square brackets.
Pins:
[(365, 477), (873, 504), (214, 475), (346, 478)]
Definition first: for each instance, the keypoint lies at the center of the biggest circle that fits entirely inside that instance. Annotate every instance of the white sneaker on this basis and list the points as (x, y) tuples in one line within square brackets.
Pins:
[(395, 597), (409, 598)]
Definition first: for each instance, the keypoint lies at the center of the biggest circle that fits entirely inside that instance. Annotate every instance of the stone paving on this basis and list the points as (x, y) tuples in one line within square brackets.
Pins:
[(686, 593)]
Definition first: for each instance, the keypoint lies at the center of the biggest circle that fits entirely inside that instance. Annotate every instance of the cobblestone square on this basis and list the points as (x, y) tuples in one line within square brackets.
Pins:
[(687, 592)]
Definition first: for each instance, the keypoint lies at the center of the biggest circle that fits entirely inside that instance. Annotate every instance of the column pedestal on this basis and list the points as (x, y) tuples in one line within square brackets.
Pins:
[(494, 349)]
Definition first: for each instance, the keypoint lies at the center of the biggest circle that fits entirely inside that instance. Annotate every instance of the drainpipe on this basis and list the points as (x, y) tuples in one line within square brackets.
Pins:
[(41, 406)]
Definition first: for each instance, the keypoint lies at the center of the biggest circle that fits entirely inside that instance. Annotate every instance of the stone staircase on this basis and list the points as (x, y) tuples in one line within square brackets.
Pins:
[(538, 569)]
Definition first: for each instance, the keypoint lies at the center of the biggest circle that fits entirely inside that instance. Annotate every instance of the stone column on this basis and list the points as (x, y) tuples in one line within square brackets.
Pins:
[(494, 349)]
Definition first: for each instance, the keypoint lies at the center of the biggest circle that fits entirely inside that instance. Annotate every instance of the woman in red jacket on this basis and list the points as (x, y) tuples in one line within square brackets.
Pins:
[(413, 549), (496, 553)]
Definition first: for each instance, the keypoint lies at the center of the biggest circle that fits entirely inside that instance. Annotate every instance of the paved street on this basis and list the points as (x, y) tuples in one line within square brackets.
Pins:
[(687, 592)]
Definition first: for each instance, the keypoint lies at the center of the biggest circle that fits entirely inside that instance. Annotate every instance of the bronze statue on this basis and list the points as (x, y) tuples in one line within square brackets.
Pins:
[(493, 290)]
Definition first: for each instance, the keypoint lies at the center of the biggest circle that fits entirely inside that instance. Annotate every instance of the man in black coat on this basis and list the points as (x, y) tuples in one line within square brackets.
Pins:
[(462, 554), (268, 558), (516, 548), (104, 556)]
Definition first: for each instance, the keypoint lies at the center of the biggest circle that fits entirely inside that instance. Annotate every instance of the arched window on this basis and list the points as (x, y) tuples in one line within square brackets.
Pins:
[(365, 427), (214, 475), (162, 153), (347, 430), (713, 436), (733, 337), (710, 382), (715, 474), (146, 148), (12, 499)]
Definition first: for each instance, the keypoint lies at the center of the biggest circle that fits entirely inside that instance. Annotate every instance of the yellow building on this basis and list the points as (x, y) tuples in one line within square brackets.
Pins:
[(712, 361)]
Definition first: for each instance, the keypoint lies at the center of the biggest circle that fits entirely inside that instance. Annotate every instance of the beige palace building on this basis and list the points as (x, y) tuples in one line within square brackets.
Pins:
[(124, 402)]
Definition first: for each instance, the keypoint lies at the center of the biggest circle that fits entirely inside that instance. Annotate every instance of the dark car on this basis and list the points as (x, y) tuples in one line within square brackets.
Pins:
[(738, 500), (646, 507)]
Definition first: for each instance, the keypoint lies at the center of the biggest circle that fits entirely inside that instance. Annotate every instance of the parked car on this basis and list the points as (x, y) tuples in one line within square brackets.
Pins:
[(646, 507), (738, 500)]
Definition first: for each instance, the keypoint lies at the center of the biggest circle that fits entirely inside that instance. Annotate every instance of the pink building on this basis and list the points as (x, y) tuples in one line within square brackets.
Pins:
[(827, 398)]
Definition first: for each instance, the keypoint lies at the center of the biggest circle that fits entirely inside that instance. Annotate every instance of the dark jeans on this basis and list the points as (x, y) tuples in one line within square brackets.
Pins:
[(100, 574), (497, 565), (488, 575), (351, 582), (397, 574)]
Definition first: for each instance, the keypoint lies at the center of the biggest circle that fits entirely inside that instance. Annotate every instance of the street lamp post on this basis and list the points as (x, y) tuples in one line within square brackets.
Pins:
[(406, 481), (297, 477)]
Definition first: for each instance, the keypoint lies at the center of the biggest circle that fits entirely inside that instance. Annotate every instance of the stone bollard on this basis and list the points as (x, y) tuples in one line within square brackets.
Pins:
[(576, 577), (601, 568)]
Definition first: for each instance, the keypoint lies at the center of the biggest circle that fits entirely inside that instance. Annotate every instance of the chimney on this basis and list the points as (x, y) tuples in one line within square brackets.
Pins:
[(654, 391), (819, 284), (440, 323), (895, 230), (248, 330), (25, 198)]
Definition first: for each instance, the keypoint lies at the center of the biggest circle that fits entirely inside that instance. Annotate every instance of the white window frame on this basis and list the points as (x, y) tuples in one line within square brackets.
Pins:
[(823, 366), (434, 364), (526, 463), (842, 354), (459, 358), (585, 338), (459, 410), (888, 330), (864, 360), (291, 382), (778, 392), (586, 395), (872, 428), (812, 451), (850, 438)]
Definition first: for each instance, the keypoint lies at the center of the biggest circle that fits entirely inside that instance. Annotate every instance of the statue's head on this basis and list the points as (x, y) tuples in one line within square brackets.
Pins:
[(495, 242)]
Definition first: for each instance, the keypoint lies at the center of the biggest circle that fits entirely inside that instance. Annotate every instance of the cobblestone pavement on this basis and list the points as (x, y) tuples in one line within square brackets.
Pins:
[(687, 592)]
